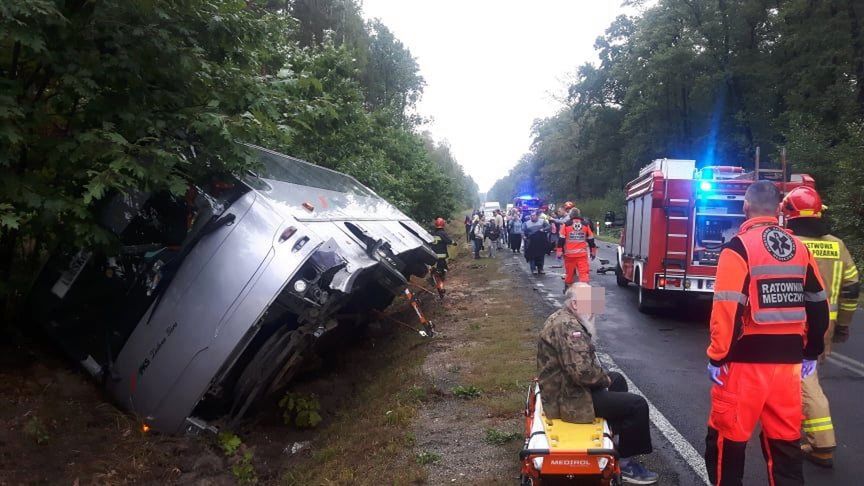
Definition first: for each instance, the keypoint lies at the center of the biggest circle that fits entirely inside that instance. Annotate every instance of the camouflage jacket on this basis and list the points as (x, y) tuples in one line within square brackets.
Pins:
[(568, 369)]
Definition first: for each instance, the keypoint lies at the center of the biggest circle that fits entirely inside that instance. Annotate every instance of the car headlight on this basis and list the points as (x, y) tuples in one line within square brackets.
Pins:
[(602, 462)]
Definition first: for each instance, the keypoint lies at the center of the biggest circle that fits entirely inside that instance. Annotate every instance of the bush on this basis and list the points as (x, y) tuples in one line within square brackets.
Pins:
[(36, 430), (497, 437), (467, 392), (425, 458), (300, 410), (239, 456), (596, 209)]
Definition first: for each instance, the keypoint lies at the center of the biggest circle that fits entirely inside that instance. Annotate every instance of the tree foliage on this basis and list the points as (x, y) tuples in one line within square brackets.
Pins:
[(106, 96), (712, 80)]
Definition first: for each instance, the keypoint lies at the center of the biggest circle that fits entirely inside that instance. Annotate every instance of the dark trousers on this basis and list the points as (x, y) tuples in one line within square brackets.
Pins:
[(627, 414), (515, 242), (785, 466), (536, 264), (478, 244), (755, 392)]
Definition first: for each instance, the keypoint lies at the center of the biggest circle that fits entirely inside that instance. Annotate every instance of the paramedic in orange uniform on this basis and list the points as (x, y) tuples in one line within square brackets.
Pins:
[(768, 321), (575, 242)]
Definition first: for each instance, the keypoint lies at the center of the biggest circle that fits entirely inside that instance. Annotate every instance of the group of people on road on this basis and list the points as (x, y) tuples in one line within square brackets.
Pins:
[(479, 229), (535, 235), (782, 295)]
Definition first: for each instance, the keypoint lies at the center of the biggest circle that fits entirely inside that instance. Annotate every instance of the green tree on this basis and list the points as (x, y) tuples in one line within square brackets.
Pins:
[(712, 80), (99, 97)]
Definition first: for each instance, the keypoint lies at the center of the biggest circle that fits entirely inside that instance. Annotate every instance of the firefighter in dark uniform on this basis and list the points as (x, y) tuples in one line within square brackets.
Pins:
[(441, 240), (802, 210), (768, 321)]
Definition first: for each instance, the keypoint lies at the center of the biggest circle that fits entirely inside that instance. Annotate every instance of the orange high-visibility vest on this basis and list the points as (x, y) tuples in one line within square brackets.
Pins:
[(576, 236), (778, 268)]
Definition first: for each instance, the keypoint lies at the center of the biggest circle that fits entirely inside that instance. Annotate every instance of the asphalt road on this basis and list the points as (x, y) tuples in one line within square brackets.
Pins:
[(664, 357)]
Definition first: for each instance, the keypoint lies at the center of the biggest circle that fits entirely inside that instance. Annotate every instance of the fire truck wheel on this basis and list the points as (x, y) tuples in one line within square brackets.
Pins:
[(619, 276), (646, 297)]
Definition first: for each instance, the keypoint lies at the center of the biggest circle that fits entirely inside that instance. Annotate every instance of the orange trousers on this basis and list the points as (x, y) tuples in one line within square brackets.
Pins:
[(756, 392), (576, 264)]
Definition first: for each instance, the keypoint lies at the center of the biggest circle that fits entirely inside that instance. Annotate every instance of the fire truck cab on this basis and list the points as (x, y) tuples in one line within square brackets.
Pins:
[(677, 220)]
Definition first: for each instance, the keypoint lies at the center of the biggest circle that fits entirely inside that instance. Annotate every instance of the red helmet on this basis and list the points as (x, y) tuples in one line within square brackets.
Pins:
[(568, 205), (802, 202), (439, 222)]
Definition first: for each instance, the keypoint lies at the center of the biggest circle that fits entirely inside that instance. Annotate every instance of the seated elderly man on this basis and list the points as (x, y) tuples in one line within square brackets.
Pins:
[(576, 388)]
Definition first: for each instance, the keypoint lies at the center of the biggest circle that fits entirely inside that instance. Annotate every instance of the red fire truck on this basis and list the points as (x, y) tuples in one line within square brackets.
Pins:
[(677, 220)]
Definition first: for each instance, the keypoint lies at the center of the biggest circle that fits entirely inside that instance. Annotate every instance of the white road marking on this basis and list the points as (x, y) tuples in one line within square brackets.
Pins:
[(846, 363), (686, 450)]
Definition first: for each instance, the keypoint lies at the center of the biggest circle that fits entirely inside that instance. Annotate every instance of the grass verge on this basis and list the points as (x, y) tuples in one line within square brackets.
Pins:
[(370, 440), (502, 330)]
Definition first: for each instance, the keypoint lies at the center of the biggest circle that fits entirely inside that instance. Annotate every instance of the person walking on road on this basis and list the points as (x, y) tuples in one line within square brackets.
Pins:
[(768, 322), (493, 233), (514, 232), (575, 388), (441, 240), (468, 228), (802, 210), (477, 234), (575, 244), (534, 232), (499, 223)]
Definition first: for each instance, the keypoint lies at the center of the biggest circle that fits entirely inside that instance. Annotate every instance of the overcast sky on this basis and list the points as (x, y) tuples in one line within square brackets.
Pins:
[(494, 66)]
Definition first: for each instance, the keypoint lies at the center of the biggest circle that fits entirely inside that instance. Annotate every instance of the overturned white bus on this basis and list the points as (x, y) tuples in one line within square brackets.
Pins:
[(209, 301)]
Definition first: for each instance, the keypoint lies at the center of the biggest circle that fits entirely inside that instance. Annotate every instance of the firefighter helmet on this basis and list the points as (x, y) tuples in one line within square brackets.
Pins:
[(802, 202), (439, 222)]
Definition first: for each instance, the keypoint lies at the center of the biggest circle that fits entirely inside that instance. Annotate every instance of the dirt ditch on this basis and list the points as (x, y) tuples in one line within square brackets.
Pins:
[(396, 408)]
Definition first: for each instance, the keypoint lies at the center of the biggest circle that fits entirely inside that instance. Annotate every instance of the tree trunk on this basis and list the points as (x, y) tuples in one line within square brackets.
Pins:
[(857, 52), (8, 244)]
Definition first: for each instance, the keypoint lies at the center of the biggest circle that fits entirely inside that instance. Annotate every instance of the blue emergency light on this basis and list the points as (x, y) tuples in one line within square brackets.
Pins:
[(705, 186)]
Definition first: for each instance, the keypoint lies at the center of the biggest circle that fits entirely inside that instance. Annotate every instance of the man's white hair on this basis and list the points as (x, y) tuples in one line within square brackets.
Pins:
[(571, 292), (587, 320)]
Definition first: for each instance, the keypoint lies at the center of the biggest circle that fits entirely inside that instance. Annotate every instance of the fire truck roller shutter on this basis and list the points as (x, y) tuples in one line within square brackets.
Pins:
[(628, 228)]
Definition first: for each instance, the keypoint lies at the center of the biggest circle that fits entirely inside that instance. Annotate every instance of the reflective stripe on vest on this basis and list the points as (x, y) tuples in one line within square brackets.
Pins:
[(575, 239), (730, 296), (778, 268), (758, 270), (778, 316)]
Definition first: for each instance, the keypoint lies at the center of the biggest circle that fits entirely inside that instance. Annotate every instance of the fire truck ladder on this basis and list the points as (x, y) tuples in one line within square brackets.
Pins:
[(678, 211)]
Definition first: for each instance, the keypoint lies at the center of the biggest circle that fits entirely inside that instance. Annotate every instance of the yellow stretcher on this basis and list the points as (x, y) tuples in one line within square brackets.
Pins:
[(556, 451)]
